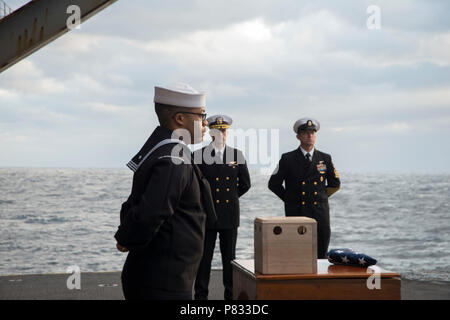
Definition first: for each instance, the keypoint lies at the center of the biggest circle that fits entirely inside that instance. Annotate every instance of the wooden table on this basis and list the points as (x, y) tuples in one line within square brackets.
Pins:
[(330, 282)]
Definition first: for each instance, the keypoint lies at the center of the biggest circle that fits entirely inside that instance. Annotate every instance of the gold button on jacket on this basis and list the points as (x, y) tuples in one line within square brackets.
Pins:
[(230, 180)]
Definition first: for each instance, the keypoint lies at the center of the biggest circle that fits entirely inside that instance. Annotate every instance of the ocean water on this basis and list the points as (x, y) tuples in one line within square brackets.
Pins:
[(51, 219)]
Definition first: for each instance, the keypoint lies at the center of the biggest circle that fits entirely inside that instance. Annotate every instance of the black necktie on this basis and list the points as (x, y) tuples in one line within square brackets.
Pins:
[(308, 161), (219, 157), (308, 158)]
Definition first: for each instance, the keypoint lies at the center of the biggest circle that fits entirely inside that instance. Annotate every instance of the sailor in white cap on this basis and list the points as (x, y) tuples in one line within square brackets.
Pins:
[(181, 106), (309, 179), (163, 221), (306, 124), (228, 176)]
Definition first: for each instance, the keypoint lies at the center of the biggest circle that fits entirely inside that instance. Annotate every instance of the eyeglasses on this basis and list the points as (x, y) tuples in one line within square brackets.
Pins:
[(203, 115)]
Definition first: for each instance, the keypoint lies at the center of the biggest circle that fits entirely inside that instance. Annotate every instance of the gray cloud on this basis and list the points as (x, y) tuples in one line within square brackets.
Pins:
[(86, 99)]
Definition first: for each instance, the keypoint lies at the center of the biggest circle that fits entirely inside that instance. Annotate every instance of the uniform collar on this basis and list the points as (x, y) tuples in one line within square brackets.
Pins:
[(161, 133), (305, 152), (219, 150)]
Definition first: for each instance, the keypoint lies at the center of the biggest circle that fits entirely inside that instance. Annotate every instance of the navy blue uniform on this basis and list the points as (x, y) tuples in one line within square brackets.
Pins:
[(306, 189), (229, 181), (162, 224)]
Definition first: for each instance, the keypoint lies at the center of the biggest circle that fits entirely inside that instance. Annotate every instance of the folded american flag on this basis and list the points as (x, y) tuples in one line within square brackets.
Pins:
[(349, 257)]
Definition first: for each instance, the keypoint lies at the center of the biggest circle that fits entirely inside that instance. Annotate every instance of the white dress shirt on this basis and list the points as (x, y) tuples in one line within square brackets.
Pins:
[(222, 150), (305, 152)]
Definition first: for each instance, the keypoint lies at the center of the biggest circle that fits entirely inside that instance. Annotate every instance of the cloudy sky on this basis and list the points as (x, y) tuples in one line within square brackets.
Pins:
[(382, 95)]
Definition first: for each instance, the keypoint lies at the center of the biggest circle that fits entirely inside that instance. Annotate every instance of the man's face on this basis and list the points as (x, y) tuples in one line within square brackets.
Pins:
[(219, 136), (307, 137), (195, 124)]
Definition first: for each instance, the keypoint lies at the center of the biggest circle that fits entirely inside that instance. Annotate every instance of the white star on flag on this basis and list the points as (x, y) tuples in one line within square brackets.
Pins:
[(361, 261), (344, 259)]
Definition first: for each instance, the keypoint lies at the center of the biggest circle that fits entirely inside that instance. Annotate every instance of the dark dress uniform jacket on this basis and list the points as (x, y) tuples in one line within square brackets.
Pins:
[(305, 192), (162, 223), (228, 182)]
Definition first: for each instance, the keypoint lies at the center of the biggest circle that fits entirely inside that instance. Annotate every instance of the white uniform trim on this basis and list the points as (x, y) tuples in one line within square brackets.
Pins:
[(134, 166)]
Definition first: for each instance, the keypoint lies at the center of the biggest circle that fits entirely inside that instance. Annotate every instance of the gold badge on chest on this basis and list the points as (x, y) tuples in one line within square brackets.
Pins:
[(232, 164)]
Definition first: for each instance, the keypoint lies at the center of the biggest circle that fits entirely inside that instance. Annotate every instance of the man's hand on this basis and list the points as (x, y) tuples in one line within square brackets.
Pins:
[(121, 248)]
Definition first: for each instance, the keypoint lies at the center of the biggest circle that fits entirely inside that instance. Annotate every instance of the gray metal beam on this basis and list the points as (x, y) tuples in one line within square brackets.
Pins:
[(4, 9), (38, 23)]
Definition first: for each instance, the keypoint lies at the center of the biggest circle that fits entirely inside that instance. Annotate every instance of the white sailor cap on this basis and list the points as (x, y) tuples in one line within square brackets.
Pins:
[(306, 124), (181, 95), (219, 121)]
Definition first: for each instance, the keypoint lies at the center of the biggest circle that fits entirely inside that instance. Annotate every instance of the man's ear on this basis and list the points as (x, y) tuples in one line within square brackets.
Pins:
[(179, 119), (298, 136)]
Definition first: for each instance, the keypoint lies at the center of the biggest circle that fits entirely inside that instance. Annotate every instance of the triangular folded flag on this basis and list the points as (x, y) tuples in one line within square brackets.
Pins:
[(350, 257)]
